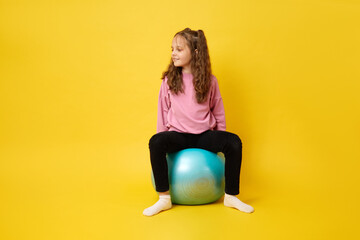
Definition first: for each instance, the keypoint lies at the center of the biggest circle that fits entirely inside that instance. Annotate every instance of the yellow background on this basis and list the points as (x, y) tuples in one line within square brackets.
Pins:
[(79, 83)]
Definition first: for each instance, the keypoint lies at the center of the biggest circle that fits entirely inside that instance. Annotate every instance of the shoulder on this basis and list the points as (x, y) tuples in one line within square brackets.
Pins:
[(214, 80), (164, 84), (165, 80)]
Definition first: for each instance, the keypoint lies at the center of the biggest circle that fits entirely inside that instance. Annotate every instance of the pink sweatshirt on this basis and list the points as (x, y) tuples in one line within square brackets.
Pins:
[(182, 113)]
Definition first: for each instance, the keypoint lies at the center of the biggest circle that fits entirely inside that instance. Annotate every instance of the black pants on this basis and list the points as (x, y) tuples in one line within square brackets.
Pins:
[(214, 141)]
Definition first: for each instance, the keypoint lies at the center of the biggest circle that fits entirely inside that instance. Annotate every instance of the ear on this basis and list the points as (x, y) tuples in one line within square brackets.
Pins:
[(196, 51)]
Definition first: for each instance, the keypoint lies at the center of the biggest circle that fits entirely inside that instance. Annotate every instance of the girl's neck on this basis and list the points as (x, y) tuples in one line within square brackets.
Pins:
[(186, 72)]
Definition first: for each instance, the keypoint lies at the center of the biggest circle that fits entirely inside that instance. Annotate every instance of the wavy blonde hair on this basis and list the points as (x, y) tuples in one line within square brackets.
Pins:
[(200, 66)]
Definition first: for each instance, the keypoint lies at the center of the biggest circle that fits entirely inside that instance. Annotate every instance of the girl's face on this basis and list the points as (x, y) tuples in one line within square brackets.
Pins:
[(181, 53)]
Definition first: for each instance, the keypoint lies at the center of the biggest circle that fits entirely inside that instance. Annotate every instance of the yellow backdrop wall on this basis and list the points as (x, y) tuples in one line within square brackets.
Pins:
[(79, 83)]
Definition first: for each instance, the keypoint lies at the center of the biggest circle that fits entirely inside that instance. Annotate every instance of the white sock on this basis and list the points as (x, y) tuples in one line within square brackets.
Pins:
[(163, 203), (233, 201)]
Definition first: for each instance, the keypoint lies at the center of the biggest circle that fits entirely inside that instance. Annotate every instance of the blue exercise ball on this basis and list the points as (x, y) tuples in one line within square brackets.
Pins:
[(196, 176)]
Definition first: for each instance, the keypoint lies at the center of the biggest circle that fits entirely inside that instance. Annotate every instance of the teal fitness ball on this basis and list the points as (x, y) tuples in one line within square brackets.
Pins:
[(196, 176)]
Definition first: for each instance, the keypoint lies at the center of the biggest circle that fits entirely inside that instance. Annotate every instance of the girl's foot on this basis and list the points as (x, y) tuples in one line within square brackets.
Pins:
[(162, 204), (233, 201)]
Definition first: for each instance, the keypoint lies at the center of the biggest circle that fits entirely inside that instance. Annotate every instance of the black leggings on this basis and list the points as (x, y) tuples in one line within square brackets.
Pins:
[(211, 140)]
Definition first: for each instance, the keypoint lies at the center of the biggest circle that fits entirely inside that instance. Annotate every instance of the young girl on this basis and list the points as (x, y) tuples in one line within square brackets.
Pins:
[(191, 115)]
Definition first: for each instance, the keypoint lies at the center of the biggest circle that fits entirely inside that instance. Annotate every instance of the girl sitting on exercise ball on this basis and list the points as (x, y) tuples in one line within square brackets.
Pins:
[(191, 115)]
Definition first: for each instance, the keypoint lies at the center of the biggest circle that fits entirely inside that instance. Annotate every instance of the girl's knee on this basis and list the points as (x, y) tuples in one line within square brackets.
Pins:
[(154, 140), (157, 139), (235, 141)]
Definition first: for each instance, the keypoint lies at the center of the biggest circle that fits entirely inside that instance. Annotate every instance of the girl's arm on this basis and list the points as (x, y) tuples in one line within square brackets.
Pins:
[(217, 106), (163, 108)]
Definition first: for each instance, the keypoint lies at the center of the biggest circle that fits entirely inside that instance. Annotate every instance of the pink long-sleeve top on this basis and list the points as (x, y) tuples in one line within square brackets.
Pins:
[(182, 113)]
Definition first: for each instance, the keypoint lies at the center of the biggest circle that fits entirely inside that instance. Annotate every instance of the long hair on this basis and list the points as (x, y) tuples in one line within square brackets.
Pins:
[(200, 66)]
